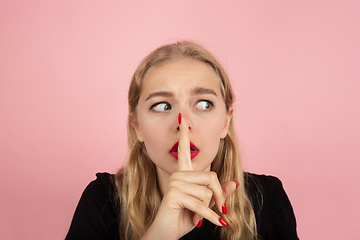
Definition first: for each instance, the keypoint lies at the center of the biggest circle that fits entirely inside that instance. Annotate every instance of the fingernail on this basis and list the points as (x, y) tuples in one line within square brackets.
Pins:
[(199, 223), (222, 221), (179, 118), (237, 183), (224, 209)]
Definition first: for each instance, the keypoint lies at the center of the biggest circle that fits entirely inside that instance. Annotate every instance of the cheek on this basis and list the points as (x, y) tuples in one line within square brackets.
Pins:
[(150, 131), (214, 148), (210, 136), (212, 128), (154, 135)]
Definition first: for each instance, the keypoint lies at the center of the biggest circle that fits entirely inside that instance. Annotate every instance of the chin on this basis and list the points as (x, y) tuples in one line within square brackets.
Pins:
[(201, 168)]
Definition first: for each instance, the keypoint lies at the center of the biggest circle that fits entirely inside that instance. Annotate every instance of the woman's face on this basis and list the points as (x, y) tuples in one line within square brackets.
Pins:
[(189, 87)]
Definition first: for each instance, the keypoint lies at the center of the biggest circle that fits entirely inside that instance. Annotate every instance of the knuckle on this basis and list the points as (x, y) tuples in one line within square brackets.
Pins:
[(208, 193), (199, 205), (171, 184), (172, 190), (213, 176), (174, 183), (174, 176)]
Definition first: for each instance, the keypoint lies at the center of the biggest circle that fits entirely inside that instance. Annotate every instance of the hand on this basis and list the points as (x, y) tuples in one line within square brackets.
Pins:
[(189, 196)]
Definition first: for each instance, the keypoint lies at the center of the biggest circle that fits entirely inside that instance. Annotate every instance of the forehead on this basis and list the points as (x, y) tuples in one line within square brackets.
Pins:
[(179, 74)]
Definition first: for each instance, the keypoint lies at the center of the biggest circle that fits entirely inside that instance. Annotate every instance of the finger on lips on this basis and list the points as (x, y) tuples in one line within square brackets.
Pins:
[(201, 188), (184, 158)]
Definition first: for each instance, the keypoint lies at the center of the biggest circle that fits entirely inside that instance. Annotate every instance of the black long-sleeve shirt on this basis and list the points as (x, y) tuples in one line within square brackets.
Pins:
[(96, 216)]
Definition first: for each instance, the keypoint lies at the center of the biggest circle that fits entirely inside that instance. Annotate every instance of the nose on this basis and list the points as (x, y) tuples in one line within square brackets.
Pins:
[(183, 116)]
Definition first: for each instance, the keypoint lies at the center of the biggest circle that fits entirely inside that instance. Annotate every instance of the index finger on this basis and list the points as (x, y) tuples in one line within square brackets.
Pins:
[(184, 159)]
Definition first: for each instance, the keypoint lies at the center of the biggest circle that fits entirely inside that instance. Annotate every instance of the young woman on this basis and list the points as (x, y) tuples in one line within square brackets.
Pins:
[(183, 178)]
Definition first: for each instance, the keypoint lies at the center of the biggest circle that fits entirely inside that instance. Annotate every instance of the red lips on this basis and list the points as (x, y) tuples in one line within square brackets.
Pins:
[(193, 153)]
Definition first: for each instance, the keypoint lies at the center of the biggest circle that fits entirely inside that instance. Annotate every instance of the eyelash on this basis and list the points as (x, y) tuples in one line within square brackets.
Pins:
[(167, 104), (208, 102), (156, 104)]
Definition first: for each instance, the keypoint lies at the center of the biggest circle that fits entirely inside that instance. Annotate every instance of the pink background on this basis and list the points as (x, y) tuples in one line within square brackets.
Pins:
[(65, 67)]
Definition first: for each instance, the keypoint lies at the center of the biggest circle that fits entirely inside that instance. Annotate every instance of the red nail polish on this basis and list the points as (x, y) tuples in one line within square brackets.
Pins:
[(179, 118), (222, 221), (224, 209), (199, 223), (237, 183)]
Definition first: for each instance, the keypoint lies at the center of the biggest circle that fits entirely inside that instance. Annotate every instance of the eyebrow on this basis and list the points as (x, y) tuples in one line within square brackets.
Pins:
[(195, 91), (159, 94), (201, 90)]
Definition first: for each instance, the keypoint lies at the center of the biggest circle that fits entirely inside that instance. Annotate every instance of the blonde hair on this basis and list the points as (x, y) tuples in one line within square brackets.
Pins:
[(138, 192)]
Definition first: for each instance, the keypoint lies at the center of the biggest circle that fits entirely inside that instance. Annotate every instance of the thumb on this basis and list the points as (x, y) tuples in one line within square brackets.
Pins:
[(228, 188)]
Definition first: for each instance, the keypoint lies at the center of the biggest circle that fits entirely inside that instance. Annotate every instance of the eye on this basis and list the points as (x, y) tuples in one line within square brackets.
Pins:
[(161, 107), (204, 105)]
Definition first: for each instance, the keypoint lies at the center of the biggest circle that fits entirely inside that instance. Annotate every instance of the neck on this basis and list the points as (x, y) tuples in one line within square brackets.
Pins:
[(163, 179)]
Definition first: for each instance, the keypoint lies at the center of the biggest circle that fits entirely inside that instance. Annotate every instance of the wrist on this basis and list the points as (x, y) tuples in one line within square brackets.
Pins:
[(155, 233)]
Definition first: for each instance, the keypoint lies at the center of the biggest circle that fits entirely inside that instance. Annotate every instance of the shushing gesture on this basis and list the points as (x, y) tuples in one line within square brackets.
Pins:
[(189, 197)]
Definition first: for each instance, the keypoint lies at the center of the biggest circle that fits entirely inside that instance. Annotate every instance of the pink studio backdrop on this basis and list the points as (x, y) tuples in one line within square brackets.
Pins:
[(65, 67)]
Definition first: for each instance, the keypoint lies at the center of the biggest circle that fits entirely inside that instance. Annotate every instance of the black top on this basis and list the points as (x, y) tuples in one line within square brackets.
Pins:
[(96, 218)]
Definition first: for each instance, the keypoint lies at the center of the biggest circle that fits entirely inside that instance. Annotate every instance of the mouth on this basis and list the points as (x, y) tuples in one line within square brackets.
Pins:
[(194, 151)]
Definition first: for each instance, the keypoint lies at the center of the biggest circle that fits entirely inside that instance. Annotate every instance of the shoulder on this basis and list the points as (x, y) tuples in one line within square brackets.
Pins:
[(262, 187), (273, 210), (269, 187), (265, 180), (100, 190), (96, 215), (104, 183)]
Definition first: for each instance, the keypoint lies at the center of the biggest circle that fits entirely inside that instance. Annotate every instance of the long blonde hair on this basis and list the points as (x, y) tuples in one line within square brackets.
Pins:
[(138, 192)]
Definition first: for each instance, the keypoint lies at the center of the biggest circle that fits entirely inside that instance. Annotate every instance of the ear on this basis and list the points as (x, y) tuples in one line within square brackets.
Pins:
[(135, 125), (228, 117)]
